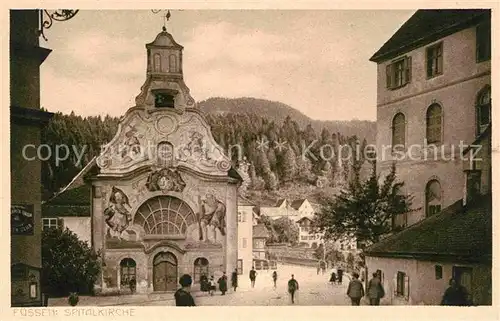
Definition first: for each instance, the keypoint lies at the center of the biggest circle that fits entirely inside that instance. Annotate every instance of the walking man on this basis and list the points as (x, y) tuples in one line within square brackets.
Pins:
[(455, 295), (340, 273), (252, 275), (275, 277), (375, 290), (293, 286), (234, 279), (355, 289)]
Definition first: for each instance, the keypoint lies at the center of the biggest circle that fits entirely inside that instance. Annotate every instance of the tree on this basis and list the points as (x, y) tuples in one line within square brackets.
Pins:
[(289, 166), (68, 264), (365, 210), (286, 230), (271, 181)]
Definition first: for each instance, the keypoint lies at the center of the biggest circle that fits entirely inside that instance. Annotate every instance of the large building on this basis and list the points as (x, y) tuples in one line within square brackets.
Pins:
[(26, 121), (164, 194), (433, 93), (434, 78)]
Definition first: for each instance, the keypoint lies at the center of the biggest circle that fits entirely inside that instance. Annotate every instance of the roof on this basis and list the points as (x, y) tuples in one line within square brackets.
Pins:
[(72, 202), (426, 26), (243, 201), (279, 202), (298, 203), (260, 231), (457, 233)]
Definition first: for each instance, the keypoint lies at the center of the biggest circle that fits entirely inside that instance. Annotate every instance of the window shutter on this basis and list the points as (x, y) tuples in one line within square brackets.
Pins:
[(60, 223), (395, 284), (388, 70), (407, 287), (408, 69)]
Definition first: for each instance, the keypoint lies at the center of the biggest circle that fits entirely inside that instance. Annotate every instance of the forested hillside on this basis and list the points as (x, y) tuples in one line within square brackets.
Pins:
[(272, 143)]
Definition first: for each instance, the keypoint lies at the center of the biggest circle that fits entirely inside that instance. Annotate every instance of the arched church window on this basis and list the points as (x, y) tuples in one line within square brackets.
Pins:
[(127, 271), (165, 215), (200, 268), (172, 61), (434, 124), (432, 198), (483, 109), (398, 131), (157, 63)]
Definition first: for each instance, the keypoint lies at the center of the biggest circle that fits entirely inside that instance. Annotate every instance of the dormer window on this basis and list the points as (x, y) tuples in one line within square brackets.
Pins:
[(164, 100)]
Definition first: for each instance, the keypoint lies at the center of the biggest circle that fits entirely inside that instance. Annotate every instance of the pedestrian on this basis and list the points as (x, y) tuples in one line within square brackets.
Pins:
[(375, 290), (355, 289), (455, 295), (253, 276), (183, 296), (234, 279), (333, 278), (223, 283), (340, 273), (211, 285), (293, 286), (317, 270), (275, 278), (204, 283), (132, 285)]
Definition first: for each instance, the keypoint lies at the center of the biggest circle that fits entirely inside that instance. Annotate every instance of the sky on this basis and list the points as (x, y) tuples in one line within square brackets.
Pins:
[(315, 61)]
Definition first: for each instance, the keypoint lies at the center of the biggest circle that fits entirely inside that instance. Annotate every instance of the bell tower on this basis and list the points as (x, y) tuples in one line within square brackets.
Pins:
[(164, 86)]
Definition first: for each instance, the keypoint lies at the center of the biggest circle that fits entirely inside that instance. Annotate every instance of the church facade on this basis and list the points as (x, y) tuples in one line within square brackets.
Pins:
[(164, 198)]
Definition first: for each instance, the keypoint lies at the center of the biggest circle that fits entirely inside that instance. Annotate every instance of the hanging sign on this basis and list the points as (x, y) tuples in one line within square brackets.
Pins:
[(22, 219)]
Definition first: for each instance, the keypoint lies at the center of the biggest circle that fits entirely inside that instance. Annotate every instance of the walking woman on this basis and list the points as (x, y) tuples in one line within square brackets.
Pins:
[(275, 277), (375, 290)]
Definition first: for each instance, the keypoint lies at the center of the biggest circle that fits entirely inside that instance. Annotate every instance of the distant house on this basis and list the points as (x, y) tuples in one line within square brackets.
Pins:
[(307, 234), (259, 236), (71, 207)]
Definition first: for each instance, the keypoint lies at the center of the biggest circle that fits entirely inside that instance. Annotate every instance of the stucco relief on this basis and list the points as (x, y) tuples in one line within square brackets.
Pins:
[(117, 214), (165, 180)]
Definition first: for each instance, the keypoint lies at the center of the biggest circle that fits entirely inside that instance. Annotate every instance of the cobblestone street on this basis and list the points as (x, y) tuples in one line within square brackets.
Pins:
[(313, 290)]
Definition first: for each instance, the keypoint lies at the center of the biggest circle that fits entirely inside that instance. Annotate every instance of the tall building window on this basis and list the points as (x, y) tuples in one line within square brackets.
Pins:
[(398, 73), (432, 198), (483, 41), (398, 131), (483, 109), (127, 271), (434, 56), (433, 124)]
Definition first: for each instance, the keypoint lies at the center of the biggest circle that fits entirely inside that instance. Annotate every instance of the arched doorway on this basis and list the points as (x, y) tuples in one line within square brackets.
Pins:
[(200, 268), (165, 272), (127, 272)]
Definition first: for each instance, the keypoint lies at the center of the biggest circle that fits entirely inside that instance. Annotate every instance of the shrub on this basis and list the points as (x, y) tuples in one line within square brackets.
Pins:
[(68, 264)]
